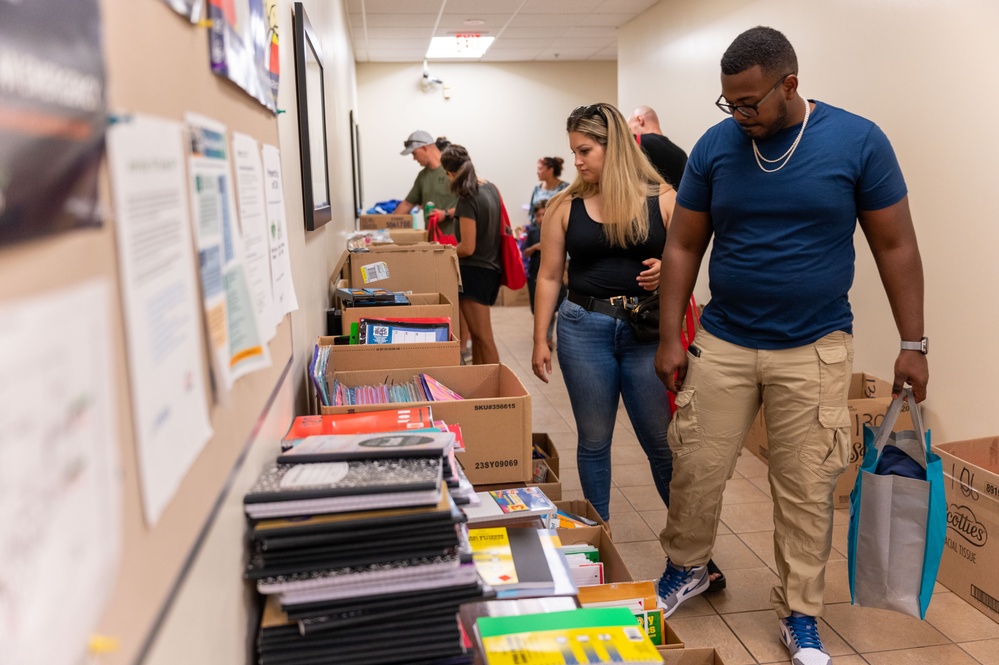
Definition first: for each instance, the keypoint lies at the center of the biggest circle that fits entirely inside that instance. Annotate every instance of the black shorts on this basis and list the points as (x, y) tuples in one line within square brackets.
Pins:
[(479, 284)]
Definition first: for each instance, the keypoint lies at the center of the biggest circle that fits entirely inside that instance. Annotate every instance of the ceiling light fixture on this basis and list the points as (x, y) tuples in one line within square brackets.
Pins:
[(461, 45)]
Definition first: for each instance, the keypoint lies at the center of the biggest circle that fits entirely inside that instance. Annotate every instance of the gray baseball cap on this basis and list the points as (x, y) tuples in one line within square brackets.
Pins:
[(417, 139)]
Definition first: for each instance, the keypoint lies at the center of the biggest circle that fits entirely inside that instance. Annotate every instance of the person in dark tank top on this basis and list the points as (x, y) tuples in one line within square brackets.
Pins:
[(612, 220), (479, 232)]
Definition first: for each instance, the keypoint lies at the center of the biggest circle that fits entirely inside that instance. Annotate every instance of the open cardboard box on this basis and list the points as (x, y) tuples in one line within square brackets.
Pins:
[(704, 656), (495, 416), (970, 563), (421, 306), (507, 297), (349, 357), (544, 443), (867, 401), (583, 508), (551, 487), (374, 222), (615, 569), (420, 268)]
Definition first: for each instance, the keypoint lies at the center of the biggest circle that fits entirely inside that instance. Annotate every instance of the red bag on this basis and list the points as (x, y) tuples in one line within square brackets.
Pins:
[(436, 234), (512, 274), (690, 321)]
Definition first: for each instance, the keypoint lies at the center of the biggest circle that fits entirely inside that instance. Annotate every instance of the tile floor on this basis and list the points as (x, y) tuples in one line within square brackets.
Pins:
[(739, 621)]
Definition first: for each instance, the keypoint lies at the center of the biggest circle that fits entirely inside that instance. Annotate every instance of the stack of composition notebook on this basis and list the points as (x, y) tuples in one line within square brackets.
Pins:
[(356, 541)]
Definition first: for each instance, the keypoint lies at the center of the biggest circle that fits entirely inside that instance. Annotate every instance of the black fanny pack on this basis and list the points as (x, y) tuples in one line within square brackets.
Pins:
[(642, 314), (644, 318)]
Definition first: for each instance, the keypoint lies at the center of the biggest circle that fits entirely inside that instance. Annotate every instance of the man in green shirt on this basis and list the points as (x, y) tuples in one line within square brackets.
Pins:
[(431, 182)]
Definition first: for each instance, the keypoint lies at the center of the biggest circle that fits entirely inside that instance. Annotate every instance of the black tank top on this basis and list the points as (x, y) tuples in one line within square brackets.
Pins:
[(598, 270)]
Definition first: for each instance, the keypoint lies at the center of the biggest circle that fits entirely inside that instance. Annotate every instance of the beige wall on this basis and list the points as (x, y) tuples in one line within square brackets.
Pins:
[(213, 615), (926, 72), (508, 116)]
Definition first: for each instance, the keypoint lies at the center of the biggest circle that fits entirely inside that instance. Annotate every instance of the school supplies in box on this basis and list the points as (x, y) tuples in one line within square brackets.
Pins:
[(358, 423), (567, 520), (437, 391), (586, 635), (511, 503), (405, 331), (375, 445), (639, 597), (317, 373), (354, 297), (284, 490), (520, 562), (422, 388)]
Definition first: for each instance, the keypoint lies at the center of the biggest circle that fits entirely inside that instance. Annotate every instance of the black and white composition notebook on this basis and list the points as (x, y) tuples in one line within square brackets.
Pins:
[(284, 490)]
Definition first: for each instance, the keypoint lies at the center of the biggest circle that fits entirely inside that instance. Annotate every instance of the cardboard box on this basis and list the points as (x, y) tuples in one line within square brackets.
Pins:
[(420, 268), (551, 490), (671, 641), (407, 236), (509, 298), (550, 485), (615, 569), (971, 558), (421, 306), (544, 443), (373, 222), (867, 401), (349, 357), (705, 656), (495, 416), (583, 508)]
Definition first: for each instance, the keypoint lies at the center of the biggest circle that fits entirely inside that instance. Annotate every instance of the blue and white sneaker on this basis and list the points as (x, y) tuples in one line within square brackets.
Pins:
[(800, 635), (678, 584)]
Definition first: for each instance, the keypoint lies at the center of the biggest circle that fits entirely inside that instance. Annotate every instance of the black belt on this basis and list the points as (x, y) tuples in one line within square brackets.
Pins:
[(619, 306)]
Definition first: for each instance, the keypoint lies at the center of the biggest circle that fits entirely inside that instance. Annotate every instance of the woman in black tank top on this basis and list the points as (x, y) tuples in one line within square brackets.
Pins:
[(612, 221)]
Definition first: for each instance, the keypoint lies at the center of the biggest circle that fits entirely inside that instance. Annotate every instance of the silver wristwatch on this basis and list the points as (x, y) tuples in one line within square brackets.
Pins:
[(923, 345)]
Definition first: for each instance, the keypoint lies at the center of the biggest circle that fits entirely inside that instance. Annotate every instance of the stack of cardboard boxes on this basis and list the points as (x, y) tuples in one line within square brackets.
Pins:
[(495, 414), (970, 564)]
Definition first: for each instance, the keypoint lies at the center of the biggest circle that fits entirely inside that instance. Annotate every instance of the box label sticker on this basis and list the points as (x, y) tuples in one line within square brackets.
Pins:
[(374, 272)]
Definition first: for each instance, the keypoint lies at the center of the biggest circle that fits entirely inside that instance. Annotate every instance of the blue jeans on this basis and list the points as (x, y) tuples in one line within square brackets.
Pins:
[(600, 361)]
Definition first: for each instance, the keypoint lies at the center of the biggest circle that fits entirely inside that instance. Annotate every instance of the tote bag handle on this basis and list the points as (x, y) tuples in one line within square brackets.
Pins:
[(883, 433)]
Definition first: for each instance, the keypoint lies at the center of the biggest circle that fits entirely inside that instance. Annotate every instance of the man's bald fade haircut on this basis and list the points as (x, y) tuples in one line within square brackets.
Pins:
[(761, 46)]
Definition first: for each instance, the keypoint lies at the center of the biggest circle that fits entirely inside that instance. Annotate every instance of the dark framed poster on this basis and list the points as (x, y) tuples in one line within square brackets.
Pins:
[(355, 159), (243, 46), (53, 116)]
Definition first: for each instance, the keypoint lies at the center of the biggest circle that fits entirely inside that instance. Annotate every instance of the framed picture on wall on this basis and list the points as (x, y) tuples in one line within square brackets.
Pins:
[(311, 122), (355, 158)]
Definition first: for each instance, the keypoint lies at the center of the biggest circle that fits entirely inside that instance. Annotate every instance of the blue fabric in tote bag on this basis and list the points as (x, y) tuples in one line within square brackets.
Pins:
[(898, 517)]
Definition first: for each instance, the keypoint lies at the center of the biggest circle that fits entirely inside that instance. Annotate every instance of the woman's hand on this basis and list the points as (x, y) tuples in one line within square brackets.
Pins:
[(541, 360), (649, 279)]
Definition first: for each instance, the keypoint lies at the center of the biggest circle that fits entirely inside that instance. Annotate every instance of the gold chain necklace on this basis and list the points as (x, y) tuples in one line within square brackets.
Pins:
[(786, 157)]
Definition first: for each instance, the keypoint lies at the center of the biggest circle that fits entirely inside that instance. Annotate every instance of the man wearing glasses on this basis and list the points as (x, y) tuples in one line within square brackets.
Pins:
[(780, 187)]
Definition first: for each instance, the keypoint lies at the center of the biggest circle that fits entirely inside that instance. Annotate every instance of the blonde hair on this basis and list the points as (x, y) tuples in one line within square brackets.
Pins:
[(627, 178)]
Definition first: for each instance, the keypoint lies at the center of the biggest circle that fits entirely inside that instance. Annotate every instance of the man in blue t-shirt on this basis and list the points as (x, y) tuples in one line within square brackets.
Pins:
[(779, 187)]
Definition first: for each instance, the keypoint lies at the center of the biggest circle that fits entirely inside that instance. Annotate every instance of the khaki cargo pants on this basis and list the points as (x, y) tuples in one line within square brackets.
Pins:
[(804, 393)]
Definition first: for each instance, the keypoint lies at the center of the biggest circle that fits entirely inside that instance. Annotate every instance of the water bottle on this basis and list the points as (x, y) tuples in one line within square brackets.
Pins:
[(419, 223)]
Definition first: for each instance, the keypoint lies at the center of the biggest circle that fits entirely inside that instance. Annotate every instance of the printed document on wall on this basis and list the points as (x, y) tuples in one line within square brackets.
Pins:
[(233, 334), (60, 479), (253, 223), (160, 302), (284, 287)]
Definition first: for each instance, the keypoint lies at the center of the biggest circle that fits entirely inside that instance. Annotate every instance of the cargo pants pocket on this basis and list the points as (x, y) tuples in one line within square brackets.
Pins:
[(826, 450), (684, 428)]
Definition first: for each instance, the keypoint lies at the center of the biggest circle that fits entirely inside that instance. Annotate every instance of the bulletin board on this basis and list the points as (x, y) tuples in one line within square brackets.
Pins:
[(157, 64)]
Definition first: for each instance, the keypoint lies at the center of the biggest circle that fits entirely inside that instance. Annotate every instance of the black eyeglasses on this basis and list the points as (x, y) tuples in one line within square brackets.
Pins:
[(748, 110), (585, 112)]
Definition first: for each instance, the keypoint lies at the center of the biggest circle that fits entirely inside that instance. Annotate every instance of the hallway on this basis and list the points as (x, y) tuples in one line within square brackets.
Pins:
[(739, 621)]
